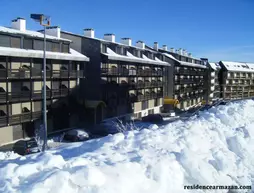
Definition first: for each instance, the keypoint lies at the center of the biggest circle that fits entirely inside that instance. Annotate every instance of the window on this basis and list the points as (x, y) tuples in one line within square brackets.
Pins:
[(144, 105), (119, 50), (4, 41), (15, 42), (103, 48), (136, 53), (28, 44), (65, 48), (38, 44), (55, 47), (49, 46), (156, 102)]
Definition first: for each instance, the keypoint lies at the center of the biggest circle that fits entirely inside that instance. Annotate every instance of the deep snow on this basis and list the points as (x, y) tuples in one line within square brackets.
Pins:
[(214, 148)]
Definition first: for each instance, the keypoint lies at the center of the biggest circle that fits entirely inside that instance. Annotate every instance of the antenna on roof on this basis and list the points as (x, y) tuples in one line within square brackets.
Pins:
[(43, 19)]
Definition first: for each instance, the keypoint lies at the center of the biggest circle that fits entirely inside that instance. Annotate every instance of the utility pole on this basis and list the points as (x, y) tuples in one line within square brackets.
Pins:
[(44, 21)]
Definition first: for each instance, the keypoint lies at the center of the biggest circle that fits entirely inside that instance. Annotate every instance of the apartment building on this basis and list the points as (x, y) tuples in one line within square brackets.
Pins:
[(123, 80), (21, 64), (214, 88), (189, 77), (237, 80)]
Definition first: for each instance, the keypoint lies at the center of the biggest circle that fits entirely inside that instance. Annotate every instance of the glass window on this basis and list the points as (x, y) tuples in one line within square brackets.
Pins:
[(144, 105), (4, 41), (28, 44), (38, 44), (49, 46), (55, 47), (137, 53), (65, 48), (103, 48), (15, 42), (119, 50)]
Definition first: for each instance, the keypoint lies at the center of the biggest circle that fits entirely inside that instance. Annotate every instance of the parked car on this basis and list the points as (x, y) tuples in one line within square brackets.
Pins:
[(76, 135), (25, 147)]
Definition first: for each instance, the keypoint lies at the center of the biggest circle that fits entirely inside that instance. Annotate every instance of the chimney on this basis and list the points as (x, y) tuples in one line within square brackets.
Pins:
[(110, 37), (89, 32), (53, 31), (165, 47), (184, 52), (126, 41), (19, 24), (172, 50), (181, 51), (156, 46), (189, 54), (140, 44)]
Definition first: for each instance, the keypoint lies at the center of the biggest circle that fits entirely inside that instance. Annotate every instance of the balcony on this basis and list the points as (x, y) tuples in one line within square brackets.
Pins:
[(19, 118), (28, 95), (148, 96), (59, 93), (190, 72), (134, 85), (14, 74), (184, 81), (36, 73)]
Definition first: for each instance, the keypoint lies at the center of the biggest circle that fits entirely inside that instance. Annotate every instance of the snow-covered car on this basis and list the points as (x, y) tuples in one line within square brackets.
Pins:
[(76, 135), (25, 147)]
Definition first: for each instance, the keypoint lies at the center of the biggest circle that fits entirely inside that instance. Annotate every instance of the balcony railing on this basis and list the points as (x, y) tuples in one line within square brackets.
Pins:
[(149, 96), (28, 95), (36, 73), (131, 72), (190, 72), (19, 118), (134, 85), (59, 92), (185, 81)]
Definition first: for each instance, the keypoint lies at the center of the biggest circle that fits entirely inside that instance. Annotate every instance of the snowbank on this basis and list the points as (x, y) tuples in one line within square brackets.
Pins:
[(215, 148)]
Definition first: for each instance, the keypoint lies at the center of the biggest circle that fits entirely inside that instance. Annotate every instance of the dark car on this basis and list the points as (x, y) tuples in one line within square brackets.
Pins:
[(76, 135), (25, 147)]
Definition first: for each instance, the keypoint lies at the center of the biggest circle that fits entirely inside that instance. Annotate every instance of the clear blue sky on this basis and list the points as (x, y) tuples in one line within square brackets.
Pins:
[(217, 29)]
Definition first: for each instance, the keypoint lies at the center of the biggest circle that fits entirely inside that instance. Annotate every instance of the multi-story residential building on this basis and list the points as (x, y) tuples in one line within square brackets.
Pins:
[(122, 80), (189, 77), (213, 86), (169, 102), (21, 64), (237, 80)]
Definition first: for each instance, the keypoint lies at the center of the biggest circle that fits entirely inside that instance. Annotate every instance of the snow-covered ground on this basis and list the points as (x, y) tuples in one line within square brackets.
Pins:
[(215, 148)]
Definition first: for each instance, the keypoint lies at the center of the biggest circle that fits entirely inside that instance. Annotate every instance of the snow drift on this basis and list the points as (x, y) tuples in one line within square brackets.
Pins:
[(214, 148)]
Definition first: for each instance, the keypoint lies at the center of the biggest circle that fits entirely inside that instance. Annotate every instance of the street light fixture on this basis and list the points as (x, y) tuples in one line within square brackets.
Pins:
[(44, 21)]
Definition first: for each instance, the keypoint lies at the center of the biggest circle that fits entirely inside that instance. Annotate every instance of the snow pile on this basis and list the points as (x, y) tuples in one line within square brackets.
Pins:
[(8, 155), (215, 148)]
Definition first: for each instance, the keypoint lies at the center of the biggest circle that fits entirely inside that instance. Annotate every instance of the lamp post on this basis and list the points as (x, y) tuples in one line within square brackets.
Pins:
[(44, 21)]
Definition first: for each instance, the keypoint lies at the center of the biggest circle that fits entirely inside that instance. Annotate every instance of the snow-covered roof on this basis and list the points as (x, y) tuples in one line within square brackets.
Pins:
[(131, 58), (238, 66), (29, 33), (170, 52), (102, 40), (15, 52), (214, 66), (184, 63)]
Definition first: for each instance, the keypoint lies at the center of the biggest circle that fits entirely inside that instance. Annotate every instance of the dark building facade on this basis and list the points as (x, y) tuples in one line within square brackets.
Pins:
[(122, 80), (21, 64), (189, 77)]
